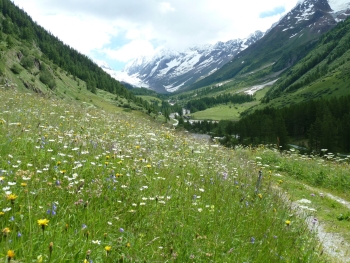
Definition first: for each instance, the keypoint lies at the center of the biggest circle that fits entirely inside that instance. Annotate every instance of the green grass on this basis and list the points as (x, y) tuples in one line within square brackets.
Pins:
[(221, 112), (118, 187), (331, 85), (312, 177), (150, 99), (68, 87), (229, 112), (327, 211)]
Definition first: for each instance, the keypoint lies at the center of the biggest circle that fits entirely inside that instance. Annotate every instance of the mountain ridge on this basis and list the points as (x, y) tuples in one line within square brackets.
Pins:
[(286, 42), (169, 70), (198, 66)]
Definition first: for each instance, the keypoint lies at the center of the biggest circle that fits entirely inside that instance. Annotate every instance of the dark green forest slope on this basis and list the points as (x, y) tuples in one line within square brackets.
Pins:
[(25, 45), (314, 125), (328, 64)]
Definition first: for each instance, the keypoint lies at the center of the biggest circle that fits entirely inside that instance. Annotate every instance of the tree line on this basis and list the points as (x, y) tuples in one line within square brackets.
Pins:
[(316, 125), (208, 102), (19, 25)]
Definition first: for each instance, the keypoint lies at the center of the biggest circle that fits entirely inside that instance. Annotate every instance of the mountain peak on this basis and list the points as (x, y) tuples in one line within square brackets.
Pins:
[(169, 70)]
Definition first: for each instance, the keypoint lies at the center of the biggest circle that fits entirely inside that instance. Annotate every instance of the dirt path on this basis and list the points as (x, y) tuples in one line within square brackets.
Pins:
[(333, 243)]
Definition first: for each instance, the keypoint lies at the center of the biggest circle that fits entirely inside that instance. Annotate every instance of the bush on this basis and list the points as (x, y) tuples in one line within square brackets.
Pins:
[(2, 68), (47, 78), (16, 68), (27, 62)]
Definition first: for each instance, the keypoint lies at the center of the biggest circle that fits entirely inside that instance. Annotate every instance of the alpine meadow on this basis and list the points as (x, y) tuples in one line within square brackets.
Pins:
[(95, 170)]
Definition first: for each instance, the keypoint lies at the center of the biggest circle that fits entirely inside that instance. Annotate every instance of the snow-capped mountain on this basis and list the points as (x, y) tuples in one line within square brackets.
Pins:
[(170, 70), (123, 76), (320, 15), (286, 42)]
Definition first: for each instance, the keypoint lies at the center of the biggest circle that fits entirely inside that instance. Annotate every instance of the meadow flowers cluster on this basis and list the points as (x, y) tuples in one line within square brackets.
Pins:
[(80, 184)]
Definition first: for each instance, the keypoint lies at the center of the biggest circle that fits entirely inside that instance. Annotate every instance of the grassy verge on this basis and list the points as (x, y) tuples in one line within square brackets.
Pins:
[(316, 184)]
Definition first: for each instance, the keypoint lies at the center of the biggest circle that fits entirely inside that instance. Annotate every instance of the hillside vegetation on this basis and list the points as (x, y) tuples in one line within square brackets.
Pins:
[(33, 59), (307, 106), (274, 52), (323, 72), (82, 184), (88, 175)]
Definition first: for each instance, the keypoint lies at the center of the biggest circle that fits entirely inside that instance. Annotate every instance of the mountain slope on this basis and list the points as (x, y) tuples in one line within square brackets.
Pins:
[(171, 70), (286, 42), (29, 47), (327, 66)]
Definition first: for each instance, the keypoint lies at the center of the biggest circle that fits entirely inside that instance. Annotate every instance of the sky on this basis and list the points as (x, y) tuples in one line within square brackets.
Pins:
[(118, 31)]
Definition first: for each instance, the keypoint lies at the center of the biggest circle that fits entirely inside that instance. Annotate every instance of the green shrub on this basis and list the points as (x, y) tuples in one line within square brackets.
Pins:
[(16, 68), (27, 62), (2, 68), (47, 78)]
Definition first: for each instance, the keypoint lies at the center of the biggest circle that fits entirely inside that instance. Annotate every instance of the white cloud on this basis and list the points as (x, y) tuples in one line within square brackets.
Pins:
[(80, 32), (132, 50), (128, 28), (166, 7)]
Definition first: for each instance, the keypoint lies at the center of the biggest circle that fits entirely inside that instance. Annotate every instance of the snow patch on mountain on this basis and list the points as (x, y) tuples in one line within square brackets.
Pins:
[(169, 70)]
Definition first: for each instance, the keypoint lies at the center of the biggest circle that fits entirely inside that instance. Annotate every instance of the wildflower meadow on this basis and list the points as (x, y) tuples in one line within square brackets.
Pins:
[(79, 184)]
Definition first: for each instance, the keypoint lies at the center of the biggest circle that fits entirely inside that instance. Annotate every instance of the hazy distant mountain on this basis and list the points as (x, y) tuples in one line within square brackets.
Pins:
[(169, 70)]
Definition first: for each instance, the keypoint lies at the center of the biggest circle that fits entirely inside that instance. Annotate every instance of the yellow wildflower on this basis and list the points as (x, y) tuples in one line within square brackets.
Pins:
[(43, 223), (287, 222), (12, 198), (5, 231), (108, 248), (10, 254)]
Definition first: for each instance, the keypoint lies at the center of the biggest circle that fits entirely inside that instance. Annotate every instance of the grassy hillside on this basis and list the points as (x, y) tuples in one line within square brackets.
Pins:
[(324, 72), (33, 58), (67, 87), (83, 184), (86, 178)]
